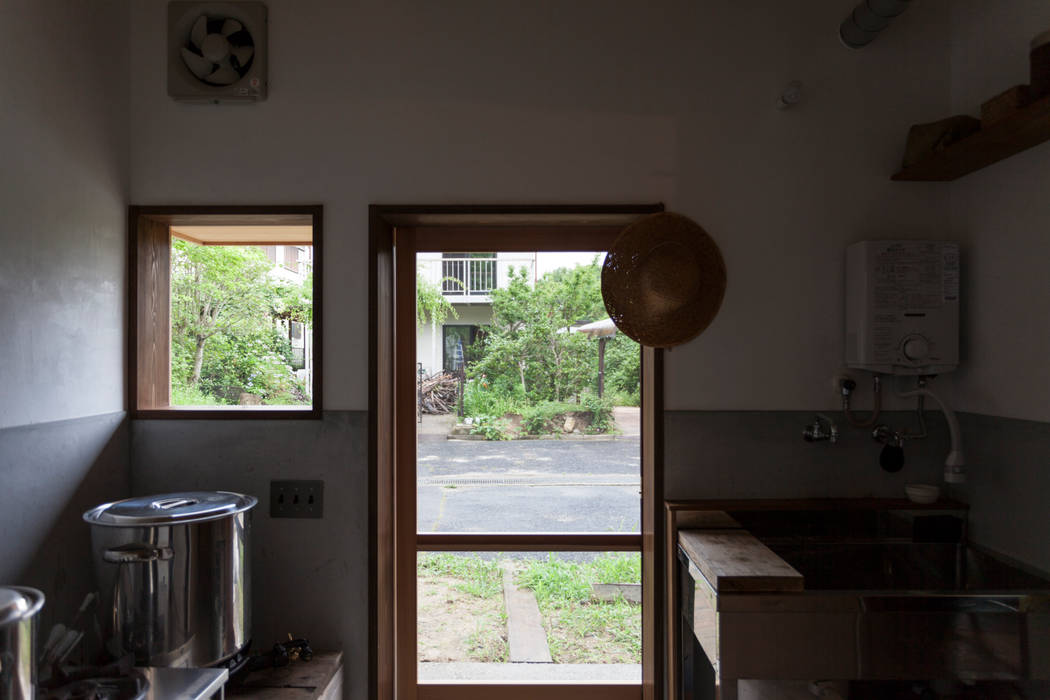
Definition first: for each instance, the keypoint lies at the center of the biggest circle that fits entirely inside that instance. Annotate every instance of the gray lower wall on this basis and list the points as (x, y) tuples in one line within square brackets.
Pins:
[(761, 454), (310, 577), (1009, 486), (50, 474)]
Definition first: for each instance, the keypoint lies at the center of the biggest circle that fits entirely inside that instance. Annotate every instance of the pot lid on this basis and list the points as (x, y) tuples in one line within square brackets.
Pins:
[(170, 508), (18, 603)]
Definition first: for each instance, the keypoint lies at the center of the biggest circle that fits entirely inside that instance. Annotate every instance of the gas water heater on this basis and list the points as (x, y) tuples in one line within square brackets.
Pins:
[(902, 307)]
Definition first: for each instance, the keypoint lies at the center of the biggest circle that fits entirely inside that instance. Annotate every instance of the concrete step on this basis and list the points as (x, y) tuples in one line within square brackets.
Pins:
[(525, 634), (475, 671)]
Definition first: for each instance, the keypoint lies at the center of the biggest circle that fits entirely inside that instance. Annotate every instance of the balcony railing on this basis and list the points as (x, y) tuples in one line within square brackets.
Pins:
[(468, 276)]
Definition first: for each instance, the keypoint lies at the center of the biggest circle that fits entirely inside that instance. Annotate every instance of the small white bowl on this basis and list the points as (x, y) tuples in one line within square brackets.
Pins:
[(922, 493)]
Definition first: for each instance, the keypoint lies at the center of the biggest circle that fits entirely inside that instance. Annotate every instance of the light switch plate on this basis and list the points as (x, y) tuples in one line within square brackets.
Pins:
[(296, 499)]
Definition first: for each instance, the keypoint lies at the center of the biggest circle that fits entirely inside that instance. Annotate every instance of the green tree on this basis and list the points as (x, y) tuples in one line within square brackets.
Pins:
[(529, 349), (431, 304), (226, 339), (530, 337)]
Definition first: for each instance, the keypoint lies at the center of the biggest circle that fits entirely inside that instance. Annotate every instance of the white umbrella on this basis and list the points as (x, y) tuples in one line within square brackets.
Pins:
[(599, 329), (602, 330)]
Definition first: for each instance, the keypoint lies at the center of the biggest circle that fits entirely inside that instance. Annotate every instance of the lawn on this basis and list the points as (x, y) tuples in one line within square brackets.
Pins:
[(580, 629), (462, 615)]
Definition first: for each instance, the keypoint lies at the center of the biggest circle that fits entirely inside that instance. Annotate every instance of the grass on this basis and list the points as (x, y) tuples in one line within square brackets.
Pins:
[(469, 620), (581, 630), (192, 396), (475, 576), (485, 645)]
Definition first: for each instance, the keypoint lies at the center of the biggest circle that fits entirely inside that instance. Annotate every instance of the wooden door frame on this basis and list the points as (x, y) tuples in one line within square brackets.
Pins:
[(513, 227)]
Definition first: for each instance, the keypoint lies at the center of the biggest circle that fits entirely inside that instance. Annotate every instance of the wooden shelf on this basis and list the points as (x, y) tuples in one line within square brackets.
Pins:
[(1028, 127)]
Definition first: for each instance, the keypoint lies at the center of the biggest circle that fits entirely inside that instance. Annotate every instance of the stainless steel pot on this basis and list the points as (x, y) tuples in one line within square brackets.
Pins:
[(174, 573), (18, 609)]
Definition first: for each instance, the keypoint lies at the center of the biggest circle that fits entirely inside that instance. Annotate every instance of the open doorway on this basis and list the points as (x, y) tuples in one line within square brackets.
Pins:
[(528, 412), (488, 554)]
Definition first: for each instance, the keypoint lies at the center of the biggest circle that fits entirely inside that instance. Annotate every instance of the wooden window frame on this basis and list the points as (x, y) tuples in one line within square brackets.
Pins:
[(149, 299), (392, 632)]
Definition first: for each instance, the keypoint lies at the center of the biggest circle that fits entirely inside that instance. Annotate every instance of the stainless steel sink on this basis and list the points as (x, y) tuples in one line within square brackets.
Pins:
[(875, 610)]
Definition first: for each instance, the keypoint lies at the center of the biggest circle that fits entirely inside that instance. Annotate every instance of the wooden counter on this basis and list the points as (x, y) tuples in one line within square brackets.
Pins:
[(321, 678), (735, 561)]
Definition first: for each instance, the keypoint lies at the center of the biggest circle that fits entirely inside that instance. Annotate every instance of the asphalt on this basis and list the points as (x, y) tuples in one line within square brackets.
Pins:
[(529, 486)]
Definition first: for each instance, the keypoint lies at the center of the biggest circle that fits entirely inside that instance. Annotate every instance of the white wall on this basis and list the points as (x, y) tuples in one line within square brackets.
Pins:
[(63, 198), (1001, 214), (429, 339), (590, 101), (63, 193)]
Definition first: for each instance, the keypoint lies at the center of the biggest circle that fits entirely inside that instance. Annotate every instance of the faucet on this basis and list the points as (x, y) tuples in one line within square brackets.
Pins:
[(816, 432)]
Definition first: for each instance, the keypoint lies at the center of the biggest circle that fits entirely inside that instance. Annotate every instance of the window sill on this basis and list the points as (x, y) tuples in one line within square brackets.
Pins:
[(229, 413)]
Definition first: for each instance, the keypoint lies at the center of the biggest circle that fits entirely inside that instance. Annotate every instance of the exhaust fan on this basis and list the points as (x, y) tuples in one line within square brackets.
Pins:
[(217, 51)]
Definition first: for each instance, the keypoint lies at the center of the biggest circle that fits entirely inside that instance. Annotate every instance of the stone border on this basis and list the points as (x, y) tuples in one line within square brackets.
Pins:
[(601, 437)]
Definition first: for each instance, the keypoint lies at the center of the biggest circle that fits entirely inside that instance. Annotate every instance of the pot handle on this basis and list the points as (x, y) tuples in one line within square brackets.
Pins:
[(137, 554)]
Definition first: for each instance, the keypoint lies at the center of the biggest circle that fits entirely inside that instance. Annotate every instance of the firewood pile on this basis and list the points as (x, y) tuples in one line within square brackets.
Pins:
[(439, 393)]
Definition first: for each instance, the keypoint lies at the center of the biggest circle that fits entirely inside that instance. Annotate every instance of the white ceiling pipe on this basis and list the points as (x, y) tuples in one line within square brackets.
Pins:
[(868, 19)]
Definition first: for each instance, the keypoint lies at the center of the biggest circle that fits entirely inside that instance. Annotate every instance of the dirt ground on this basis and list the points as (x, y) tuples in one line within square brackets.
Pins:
[(583, 639), (456, 626)]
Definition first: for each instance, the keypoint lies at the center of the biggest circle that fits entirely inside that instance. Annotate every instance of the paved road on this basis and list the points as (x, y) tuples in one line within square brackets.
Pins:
[(528, 486)]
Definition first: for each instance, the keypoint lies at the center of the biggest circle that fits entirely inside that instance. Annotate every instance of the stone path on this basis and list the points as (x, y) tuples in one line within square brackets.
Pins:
[(525, 634), (471, 671), (628, 420)]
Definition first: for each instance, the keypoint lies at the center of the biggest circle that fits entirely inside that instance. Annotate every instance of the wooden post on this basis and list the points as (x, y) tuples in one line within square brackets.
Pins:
[(601, 366)]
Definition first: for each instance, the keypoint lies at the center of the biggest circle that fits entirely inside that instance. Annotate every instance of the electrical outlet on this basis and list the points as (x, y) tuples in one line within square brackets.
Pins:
[(296, 499)]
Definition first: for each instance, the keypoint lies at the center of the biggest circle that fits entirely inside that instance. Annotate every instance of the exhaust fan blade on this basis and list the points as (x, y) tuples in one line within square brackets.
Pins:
[(199, 31), (224, 74), (231, 26), (198, 65), (243, 54)]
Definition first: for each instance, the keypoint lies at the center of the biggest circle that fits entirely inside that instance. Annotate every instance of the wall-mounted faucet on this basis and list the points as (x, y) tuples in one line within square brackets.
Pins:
[(817, 432), (891, 458)]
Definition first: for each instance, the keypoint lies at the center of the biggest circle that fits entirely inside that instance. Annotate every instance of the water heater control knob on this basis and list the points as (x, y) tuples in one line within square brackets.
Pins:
[(916, 348)]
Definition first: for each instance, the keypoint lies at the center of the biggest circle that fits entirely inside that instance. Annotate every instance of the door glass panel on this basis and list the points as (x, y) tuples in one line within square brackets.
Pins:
[(528, 406), (528, 397), (529, 616)]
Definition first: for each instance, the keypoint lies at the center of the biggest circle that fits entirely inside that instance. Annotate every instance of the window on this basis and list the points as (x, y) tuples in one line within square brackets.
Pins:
[(226, 312), (458, 346)]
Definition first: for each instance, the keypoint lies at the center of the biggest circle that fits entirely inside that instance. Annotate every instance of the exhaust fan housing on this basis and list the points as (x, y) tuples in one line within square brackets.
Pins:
[(217, 51)]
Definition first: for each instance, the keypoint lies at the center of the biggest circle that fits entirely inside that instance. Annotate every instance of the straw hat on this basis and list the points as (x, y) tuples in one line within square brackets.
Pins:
[(663, 280)]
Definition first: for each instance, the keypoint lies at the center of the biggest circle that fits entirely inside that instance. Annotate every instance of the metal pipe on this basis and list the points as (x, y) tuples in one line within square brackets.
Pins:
[(868, 19), (955, 462)]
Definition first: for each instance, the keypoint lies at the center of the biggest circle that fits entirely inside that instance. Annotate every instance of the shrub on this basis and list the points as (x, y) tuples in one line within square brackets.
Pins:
[(482, 398), (539, 419), (492, 427), (192, 396), (623, 363), (602, 409), (621, 398)]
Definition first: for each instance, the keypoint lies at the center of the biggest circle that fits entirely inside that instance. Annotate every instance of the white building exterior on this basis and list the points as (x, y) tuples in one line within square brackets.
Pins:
[(293, 263), (466, 280)]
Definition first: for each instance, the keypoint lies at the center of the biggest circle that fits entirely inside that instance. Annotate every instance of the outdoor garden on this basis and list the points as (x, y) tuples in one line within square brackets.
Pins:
[(230, 320), (531, 372), (462, 616)]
